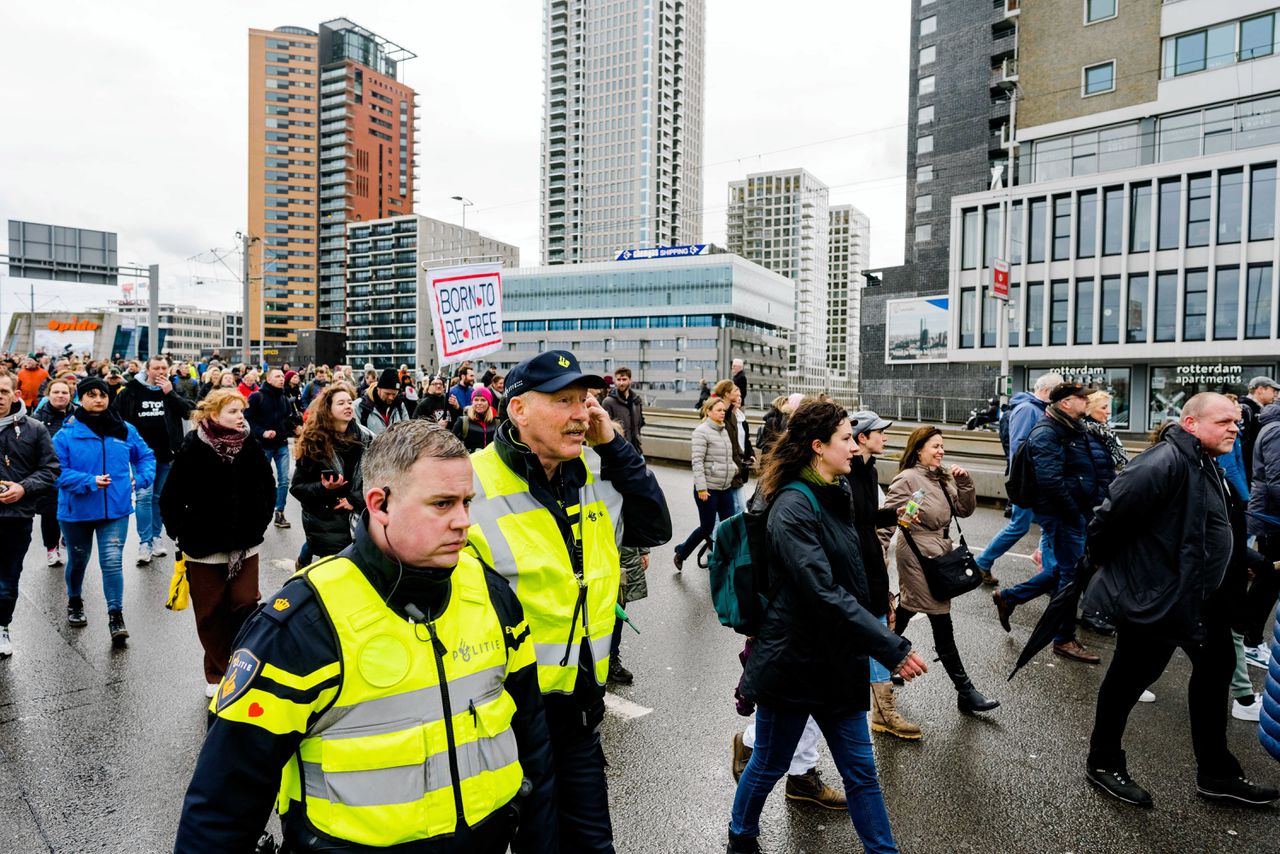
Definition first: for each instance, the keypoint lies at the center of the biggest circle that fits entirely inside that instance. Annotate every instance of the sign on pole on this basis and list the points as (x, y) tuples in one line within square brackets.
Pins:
[(466, 310), (1000, 280)]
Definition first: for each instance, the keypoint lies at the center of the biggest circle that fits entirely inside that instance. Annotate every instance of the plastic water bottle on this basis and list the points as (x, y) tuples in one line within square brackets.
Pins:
[(913, 507)]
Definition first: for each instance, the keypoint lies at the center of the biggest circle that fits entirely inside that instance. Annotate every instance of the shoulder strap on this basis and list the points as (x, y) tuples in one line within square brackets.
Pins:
[(802, 487)]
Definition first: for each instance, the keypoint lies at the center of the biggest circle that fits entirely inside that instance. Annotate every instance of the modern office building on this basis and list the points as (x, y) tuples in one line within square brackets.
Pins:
[(622, 126), (781, 221), (673, 321), (186, 332), (232, 333), (331, 141), (388, 320), (1143, 240), (61, 253), (848, 256), (957, 109)]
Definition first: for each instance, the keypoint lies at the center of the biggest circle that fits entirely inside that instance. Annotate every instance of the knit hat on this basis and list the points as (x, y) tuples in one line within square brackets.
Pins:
[(288, 375), (90, 383), (390, 379), (485, 393)]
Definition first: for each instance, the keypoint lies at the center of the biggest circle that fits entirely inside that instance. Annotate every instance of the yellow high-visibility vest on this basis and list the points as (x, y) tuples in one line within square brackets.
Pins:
[(520, 538), (378, 766)]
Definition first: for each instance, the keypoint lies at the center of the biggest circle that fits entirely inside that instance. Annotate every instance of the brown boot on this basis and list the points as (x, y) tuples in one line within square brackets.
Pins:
[(809, 787), (741, 756), (884, 714)]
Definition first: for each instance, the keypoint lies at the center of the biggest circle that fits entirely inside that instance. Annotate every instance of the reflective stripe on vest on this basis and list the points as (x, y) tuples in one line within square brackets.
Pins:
[(375, 768), (521, 539)]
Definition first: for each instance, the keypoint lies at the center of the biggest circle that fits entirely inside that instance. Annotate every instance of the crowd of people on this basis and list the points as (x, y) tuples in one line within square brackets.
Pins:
[(434, 673)]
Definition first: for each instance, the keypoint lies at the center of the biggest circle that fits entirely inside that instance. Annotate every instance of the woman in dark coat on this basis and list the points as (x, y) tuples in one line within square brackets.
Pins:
[(55, 410), (810, 656), (327, 481), (216, 505)]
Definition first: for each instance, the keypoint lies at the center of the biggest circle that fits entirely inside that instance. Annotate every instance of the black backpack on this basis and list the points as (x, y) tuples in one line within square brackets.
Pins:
[(1021, 486)]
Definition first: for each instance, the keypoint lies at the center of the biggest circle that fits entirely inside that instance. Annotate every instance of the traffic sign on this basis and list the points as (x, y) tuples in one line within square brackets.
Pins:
[(1000, 280)]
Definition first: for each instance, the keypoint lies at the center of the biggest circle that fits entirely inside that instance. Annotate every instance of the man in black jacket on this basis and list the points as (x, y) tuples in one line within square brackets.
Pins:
[(272, 420), (149, 403), (1066, 492), (1162, 541), (625, 407), (28, 467)]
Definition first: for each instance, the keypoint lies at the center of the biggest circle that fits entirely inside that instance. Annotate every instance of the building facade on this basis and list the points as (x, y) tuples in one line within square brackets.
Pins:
[(232, 333), (1142, 234), (848, 256), (674, 322), (388, 319), (781, 221), (186, 332), (622, 126)]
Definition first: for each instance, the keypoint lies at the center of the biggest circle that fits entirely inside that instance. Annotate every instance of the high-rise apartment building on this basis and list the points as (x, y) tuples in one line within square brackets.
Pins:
[(848, 254), (331, 141), (622, 126), (780, 220)]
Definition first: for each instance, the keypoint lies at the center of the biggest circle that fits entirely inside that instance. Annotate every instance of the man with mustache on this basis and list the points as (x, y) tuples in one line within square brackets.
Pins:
[(551, 516)]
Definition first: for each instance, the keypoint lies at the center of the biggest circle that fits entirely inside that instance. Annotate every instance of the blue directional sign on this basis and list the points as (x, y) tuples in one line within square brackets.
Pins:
[(651, 253)]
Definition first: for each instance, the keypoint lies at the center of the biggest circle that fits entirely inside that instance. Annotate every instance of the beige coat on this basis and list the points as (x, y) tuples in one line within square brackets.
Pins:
[(935, 517)]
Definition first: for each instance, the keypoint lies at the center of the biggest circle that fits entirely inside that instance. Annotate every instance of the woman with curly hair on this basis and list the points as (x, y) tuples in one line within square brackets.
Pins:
[(326, 480)]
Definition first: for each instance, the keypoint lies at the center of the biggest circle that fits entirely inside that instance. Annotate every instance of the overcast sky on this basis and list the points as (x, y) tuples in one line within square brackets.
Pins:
[(131, 116)]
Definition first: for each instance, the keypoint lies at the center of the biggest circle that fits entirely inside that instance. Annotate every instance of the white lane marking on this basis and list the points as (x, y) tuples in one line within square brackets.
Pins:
[(624, 709)]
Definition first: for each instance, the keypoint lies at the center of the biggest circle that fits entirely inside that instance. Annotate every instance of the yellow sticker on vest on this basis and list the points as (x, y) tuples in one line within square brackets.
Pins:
[(383, 661)]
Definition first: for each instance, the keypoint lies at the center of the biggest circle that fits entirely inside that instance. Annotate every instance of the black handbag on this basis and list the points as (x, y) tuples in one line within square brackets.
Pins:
[(952, 574)]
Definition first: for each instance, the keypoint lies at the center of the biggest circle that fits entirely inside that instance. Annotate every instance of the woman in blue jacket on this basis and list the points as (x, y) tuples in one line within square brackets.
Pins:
[(101, 456)]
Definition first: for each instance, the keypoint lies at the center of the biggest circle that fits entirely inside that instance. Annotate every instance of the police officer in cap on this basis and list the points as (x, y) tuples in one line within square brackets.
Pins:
[(550, 515), (385, 698)]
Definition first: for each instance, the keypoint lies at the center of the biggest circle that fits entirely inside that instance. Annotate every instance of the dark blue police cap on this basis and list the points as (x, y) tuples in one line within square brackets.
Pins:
[(547, 372)]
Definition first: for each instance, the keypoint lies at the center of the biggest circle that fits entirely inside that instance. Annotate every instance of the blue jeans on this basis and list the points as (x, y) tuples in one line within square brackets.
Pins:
[(879, 673), (111, 534), (1019, 523), (849, 739), (719, 505), (280, 456), (147, 506), (1061, 548)]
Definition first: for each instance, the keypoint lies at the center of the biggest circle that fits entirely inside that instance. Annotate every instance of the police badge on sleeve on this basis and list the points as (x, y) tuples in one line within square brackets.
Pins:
[(240, 672)]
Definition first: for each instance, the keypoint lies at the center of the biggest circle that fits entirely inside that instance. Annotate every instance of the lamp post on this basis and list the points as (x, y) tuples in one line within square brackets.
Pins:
[(1006, 312), (466, 203)]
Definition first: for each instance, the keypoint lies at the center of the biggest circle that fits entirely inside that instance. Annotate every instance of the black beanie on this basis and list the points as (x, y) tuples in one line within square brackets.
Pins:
[(390, 379), (90, 383)]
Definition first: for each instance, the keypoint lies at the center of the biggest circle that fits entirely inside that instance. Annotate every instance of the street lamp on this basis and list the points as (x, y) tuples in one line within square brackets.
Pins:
[(466, 203), (1007, 311)]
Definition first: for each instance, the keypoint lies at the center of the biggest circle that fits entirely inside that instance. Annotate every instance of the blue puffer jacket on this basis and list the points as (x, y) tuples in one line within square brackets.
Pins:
[(1068, 480), (84, 456), (1104, 468), (1269, 726)]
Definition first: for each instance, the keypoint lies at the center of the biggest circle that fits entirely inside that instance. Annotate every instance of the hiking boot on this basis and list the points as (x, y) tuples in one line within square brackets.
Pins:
[(743, 844), (885, 716), (6, 646), (741, 756), (1003, 610), (1236, 789), (809, 787), (144, 554), (1073, 650), (280, 521), (115, 625), (158, 548), (619, 675), (1117, 783), (75, 612)]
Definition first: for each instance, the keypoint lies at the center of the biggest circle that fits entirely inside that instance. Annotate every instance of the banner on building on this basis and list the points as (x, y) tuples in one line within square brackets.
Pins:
[(466, 310), (916, 330)]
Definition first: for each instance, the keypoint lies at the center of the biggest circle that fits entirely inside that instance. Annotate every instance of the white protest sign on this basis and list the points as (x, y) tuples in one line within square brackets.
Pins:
[(466, 310)]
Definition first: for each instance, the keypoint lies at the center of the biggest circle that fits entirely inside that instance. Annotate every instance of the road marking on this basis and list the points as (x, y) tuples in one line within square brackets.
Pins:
[(624, 709)]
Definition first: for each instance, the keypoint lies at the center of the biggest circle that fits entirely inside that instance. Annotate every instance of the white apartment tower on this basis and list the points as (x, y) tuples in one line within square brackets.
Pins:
[(780, 220), (850, 238), (622, 126)]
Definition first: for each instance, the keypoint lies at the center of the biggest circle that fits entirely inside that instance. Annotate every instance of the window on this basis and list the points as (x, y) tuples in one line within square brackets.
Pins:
[(1136, 315), (1166, 306), (969, 239), (924, 144), (1035, 314), (1099, 10), (1118, 147), (1256, 37), (1230, 205), (1259, 122), (1084, 311), (1109, 328), (966, 317), (1053, 159), (1059, 299), (928, 54), (924, 115), (924, 204), (1084, 154), (924, 233), (1196, 305), (1015, 296), (924, 174), (1180, 136), (1219, 124), (1039, 215), (1140, 218), (1257, 302), (1197, 51), (1226, 303), (1170, 192), (1061, 228), (1262, 203), (1113, 221), (1086, 224), (990, 317), (926, 85), (928, 25), (1198, 210), (1099, 78), (1015, 234), (991, 236)]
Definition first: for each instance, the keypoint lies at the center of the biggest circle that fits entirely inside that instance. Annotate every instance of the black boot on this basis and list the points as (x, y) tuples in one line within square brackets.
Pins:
[(115, 624), (743, 844), (968, 698), (75, 612)]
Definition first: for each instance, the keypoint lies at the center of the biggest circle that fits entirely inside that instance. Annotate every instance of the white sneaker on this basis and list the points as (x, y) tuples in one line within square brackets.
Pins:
[(210, 689), (1147, 697), (157, 548), (1251, 712), (1258, 656), (6, 648), (54, 558), (144, 554)]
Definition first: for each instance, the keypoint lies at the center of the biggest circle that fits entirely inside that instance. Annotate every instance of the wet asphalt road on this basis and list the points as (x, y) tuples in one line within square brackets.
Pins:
[(97, 745)]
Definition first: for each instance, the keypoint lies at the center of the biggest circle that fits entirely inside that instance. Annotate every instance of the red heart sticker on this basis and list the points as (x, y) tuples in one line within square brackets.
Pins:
[(479, 300), (466, 334), (255, 711)]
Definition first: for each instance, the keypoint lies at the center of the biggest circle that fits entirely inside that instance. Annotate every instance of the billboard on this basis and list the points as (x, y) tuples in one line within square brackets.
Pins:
[(915, 330)]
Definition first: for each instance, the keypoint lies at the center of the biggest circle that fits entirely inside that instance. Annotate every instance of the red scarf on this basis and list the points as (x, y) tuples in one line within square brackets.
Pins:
[(225, 441)]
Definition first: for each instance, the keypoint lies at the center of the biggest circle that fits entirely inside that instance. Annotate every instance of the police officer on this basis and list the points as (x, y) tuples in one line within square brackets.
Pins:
[(551, 516), (393, 685)]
